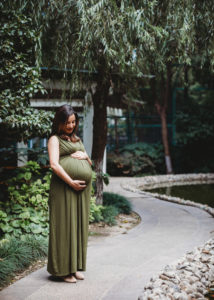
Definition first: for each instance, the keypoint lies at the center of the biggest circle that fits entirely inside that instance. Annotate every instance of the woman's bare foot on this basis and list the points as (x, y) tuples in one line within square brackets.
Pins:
[(79, 276), (70, 279)]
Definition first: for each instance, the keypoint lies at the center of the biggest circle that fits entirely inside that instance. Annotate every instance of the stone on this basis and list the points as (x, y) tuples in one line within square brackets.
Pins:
[(191, 279), (169, 274), (182, 266), (180, 296), (205, 258), (158, 291), (164, 277), (201, 290), (148, 286)]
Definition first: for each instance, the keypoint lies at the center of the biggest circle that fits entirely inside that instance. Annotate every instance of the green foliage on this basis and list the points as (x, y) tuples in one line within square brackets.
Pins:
[(20, 79), (95, 211), (194, 149), (113, 204), (18, 253), (121, 203), (105, 177), (194, 117), (109, 213), (93, 187), (26, 210), (136, 160), (39, 154)]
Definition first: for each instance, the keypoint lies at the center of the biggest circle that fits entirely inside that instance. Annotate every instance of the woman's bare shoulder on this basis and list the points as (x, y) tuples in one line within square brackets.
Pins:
[(53, 140)]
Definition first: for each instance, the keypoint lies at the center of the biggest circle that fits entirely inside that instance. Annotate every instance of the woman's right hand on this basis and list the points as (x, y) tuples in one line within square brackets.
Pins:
[(78, 185)]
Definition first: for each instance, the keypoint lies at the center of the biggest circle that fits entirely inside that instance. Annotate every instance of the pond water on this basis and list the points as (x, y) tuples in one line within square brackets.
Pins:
[(202, 193)]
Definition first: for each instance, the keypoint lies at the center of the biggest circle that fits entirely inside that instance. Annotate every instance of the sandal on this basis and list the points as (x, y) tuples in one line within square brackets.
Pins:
[(79, 276), (70, 279)]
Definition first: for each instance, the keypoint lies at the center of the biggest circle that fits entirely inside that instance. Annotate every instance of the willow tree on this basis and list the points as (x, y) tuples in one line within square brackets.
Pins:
[(120, 41), (101, 37), (188, 42)]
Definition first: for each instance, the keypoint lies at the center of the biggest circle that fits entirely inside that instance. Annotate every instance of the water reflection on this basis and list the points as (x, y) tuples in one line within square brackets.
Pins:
[(201, 193)]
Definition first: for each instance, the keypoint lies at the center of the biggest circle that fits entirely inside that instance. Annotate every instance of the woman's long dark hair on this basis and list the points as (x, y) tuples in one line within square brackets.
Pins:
[(61, 117)]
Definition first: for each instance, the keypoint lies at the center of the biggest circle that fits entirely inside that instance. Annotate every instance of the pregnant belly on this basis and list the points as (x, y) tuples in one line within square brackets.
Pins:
[(77, 169)]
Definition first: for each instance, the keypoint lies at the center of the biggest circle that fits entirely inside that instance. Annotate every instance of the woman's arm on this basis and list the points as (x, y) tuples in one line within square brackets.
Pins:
[(88, 159), (53, 151)]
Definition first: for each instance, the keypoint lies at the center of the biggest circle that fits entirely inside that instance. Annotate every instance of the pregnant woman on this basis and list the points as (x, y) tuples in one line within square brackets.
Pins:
[(69, 198)]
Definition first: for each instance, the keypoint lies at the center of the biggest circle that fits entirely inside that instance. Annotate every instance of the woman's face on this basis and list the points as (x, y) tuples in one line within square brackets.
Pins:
[(70, 124)]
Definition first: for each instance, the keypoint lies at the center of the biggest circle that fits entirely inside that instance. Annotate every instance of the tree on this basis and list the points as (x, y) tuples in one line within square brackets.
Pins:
[(101, 37), (19, 77), (188, 41), (117, 43)]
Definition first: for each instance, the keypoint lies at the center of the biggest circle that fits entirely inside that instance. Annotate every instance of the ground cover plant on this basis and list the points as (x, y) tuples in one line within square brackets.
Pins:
[(24, 210), (16, 254), (120, 202)]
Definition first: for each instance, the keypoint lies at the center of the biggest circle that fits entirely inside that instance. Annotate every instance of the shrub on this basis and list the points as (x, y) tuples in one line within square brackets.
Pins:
[(109, 213), (121, 203), (113, 205), (26, 210), (137, 160), (95, 211)]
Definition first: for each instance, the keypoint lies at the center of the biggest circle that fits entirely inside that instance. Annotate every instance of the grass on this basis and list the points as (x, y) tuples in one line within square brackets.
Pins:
[(17, 254), (120, 202)]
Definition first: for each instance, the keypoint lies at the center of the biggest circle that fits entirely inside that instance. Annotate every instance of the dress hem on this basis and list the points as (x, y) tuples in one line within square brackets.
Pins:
[(62, 275)]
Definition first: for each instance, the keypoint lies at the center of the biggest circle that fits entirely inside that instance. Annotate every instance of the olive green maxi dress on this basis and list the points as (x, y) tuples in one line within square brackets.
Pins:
[(69, 214)]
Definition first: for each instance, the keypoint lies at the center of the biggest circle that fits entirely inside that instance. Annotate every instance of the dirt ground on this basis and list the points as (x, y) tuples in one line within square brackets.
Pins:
[(124, 223)]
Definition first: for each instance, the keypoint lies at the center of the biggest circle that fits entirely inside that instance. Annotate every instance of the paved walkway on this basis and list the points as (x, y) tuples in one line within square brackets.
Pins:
[(118, 267)]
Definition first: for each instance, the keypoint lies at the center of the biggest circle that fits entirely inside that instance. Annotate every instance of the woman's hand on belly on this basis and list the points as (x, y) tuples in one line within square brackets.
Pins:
[(78, 185), (79, 155)]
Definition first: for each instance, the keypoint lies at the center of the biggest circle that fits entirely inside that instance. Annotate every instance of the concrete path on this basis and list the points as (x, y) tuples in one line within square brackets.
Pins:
[(118, 267)]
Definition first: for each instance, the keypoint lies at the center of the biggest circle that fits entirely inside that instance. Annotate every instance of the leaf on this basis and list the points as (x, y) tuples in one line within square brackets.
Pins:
[(17, 208), (35, 220), (16, 223), (6, 228), (24, 215), (27, 176), (39, 197), (36, 229)]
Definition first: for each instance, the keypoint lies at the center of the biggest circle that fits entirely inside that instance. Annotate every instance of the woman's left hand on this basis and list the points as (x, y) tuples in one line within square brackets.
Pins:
[(79, 155)]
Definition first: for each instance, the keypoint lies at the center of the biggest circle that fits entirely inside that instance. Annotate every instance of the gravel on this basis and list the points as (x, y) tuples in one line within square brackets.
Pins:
[(188, 278)]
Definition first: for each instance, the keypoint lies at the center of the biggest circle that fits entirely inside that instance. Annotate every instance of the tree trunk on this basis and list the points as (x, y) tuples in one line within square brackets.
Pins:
[(186, 82), (161, 107), (116, 136), (165, 141), (98, 166), (99, 137)]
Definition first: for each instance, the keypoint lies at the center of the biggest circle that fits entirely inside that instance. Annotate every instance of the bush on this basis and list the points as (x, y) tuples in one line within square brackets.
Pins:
[(95, 211), (109, 213), (113, 204), (121, 203), (26, 210), (137, 160), (18, 253)]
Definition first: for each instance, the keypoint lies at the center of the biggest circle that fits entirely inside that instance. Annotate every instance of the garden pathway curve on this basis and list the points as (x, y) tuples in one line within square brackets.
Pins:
[(118, 267)]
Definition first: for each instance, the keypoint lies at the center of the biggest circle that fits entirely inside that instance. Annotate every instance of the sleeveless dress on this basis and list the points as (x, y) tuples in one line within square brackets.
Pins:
[(69, 214)]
